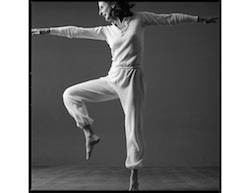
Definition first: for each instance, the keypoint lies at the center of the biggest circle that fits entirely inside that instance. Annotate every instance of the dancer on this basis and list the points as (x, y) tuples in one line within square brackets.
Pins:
[(125, 80)]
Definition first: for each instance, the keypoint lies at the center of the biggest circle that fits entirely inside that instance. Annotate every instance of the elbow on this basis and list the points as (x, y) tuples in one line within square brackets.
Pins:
[(71, 31), (175, 18)]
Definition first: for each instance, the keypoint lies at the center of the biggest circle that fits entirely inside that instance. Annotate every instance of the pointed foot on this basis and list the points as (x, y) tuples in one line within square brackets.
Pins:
[(90, 142)]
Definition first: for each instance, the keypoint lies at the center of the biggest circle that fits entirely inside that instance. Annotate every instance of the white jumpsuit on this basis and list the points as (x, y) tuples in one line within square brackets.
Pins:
[(125, 80)]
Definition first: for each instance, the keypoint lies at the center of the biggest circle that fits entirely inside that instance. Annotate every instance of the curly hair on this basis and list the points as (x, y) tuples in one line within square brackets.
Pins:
[(121, 9)]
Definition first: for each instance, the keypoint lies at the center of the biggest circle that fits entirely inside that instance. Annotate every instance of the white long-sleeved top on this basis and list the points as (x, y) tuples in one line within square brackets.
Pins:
[(126, 44)]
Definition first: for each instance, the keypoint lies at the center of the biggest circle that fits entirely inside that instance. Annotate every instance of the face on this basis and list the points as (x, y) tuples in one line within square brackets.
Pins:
[(104, 10)]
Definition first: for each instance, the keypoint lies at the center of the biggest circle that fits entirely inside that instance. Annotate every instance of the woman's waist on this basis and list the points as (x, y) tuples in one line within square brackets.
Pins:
[(117, 68), (125, 65)]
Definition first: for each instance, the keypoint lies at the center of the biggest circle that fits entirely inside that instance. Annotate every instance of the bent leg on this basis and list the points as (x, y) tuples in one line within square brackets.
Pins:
[(75, 98)]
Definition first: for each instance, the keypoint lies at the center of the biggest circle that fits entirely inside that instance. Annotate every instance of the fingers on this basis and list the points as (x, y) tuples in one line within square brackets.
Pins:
[(211, 20)]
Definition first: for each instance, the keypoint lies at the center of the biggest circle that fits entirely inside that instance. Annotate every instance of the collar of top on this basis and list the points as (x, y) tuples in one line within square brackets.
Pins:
[(120, 24)]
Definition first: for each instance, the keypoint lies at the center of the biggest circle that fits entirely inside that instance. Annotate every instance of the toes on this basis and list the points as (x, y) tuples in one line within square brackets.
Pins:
[(88, 155)]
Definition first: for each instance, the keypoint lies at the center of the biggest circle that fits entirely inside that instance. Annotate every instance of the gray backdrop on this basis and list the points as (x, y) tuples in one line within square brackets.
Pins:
[(182, 71)]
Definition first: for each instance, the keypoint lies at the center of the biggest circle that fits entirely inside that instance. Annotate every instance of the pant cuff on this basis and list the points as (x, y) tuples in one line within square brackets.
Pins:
[(137, 165)]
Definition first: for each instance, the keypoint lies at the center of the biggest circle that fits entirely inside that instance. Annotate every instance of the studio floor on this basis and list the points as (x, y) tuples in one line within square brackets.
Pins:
[(117, 178)]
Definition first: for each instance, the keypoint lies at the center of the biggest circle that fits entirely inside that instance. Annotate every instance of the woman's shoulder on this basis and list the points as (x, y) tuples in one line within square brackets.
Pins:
[(138, 15), (142, 14)]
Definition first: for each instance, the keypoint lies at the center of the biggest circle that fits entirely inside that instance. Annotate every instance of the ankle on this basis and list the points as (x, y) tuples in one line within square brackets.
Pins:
[(134, 177), (88, 131)]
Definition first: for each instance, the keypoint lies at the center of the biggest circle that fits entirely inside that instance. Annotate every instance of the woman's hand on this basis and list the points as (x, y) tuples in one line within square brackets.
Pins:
[(40, 31), (207, 20)]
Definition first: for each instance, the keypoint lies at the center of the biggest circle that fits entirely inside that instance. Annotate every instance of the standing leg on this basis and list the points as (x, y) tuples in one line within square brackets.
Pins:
[(131, 94), (75, 99)]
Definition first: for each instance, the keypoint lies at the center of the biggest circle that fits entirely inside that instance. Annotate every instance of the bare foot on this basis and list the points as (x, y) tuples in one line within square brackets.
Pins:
[(133, 186), (90, 142)]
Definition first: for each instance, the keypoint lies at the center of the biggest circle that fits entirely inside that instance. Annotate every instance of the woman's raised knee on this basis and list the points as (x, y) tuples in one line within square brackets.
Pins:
[(67, 94)]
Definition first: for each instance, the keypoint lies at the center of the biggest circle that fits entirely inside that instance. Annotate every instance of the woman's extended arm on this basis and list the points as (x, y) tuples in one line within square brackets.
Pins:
[(150, 18), (96, 33)]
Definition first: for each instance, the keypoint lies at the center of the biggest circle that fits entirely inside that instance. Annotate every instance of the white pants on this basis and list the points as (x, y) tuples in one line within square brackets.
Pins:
[(125, 83)]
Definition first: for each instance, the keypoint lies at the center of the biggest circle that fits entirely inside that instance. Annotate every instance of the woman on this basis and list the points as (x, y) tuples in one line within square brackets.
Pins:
[(125, 80)]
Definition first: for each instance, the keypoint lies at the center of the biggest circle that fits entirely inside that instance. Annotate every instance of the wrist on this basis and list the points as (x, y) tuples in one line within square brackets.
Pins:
[(200, 20), (45, 31)]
